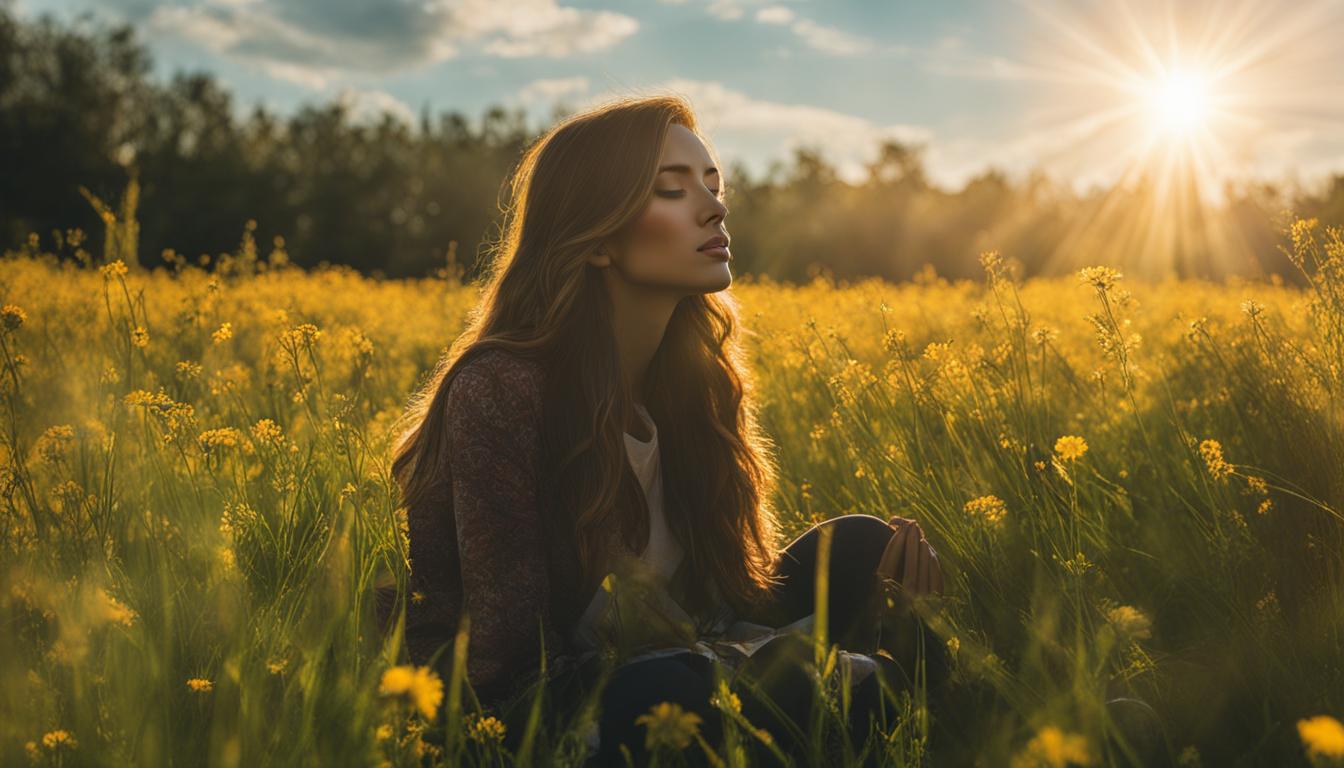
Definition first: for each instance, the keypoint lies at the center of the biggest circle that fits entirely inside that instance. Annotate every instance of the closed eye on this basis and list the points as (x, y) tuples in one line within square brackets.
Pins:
[(680, 192)]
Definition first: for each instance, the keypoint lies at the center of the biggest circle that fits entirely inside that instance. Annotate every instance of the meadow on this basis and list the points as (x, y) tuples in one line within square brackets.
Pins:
[(1135, 490)]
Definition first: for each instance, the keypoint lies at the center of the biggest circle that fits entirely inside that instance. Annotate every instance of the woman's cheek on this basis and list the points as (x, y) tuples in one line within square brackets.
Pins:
[(660, 229)]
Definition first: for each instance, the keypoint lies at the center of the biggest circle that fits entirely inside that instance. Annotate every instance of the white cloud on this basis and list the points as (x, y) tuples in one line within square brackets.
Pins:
[(370, 106), (774, 14), (316, 42), (728, 10), (559, 32), (831, 40), (819, 37), (551, 89), (755, 131)]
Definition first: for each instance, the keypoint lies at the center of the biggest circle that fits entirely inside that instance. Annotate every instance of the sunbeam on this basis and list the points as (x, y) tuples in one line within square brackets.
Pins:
[(1173, 103)]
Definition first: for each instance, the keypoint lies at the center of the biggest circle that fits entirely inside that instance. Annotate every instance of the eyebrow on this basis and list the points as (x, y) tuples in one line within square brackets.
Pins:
[(686, 169)]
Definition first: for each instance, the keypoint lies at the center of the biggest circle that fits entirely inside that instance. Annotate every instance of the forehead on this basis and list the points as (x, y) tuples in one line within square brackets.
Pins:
[(682, 146)]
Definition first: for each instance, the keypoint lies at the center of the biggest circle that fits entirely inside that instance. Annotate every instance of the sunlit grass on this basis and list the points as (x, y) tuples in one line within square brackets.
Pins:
[(1135, 490)]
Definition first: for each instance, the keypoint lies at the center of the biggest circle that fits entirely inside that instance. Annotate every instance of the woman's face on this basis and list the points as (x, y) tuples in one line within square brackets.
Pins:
[(662, 247)]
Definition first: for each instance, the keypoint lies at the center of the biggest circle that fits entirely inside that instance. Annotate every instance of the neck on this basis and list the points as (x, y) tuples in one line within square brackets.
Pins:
[(640, 319)]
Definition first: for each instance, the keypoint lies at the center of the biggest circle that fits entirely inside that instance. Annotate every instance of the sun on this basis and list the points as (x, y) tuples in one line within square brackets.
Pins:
[(1159, 112), (1180, 102)]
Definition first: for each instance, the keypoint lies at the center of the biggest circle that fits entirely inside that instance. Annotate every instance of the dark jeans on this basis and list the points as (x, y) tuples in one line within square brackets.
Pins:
[(778, 668)]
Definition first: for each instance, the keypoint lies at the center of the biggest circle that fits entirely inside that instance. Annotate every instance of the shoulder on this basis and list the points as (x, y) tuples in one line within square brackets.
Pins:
[(498, 381)]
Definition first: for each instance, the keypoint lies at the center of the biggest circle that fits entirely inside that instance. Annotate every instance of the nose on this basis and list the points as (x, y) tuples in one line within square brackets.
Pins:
[(717, 210)]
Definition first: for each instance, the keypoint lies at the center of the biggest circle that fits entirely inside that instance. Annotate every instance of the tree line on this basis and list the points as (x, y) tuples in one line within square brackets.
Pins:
[(80, 115)]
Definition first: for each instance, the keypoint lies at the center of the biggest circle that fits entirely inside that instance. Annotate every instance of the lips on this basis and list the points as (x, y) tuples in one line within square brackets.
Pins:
[(718, 241), (718, 252)]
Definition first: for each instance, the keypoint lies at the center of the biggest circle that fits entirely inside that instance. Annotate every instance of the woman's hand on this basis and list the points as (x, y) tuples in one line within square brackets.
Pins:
[(910, 561), (907, 571)]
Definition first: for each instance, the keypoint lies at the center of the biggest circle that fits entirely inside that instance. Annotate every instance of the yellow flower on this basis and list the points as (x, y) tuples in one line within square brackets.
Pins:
[(267, 431), (668, 725), (224, 437), (990, 508), (278, 666), (12, 317), (1101, 278), (396, 680), (1212, 451), (427, 691), (140, 337), (115, 269), (1070, 447), (200, 685), (383, 733), (110, 609), (58, 739), (421, 684), (725, 698), (1129, 621), (1054, 748), (302, 334), (486, 729), (54, 442), (224, 333), (1322, 735)]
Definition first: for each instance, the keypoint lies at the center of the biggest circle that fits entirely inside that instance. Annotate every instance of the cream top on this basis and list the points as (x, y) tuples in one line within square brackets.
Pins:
[(663, 553)]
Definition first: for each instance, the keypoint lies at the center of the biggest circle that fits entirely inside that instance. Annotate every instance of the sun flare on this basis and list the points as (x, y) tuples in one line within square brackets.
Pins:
[(1180, 102), (1168, 105)]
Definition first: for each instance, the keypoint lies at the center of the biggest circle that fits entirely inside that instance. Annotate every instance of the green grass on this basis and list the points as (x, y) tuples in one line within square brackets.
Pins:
[(1190, 556)]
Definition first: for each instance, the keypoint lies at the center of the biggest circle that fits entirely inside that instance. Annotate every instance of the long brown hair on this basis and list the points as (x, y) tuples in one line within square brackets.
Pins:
[(576, 186)]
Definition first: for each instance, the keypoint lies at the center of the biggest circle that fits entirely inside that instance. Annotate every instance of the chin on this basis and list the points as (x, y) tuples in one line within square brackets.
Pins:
[(719, 285)]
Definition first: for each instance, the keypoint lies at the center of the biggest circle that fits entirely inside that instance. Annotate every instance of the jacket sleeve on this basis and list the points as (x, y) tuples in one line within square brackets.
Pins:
[(494, 427)]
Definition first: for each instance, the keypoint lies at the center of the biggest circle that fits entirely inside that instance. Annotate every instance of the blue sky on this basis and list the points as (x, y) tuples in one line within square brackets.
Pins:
[(1011, 84)]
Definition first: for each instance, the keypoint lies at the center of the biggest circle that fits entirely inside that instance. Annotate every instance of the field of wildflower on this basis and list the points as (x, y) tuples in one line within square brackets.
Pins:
[(1135, 490)]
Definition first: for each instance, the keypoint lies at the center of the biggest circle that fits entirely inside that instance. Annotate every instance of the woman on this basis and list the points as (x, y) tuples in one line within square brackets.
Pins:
[(585, 478)]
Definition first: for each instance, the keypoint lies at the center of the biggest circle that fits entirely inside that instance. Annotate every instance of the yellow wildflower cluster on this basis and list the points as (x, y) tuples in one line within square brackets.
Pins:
[(236, 517), (1054, 748), (173, 414), (421, 685), (140, 337), (223, 333), (989, 508), (12, 317), (222, 437), (1212, 451), (115, 269), (1101, 278), (1129, 622), (725, 699), (189, 369), (58, 739), (301, 335), (1322, 736), (200, 685), (267, 431), (486, 729), (110, 609), (54, 442), (667, 725)]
